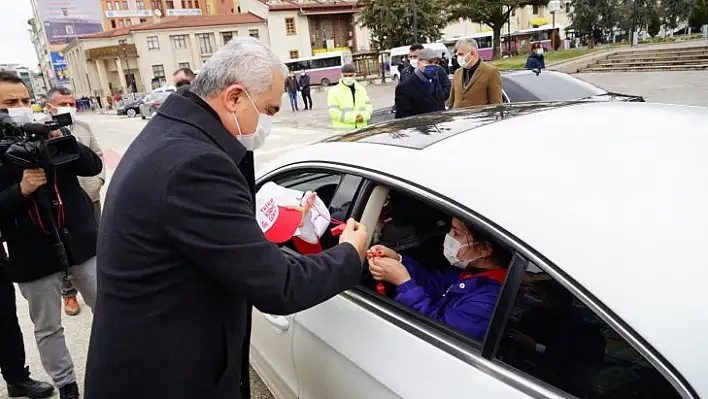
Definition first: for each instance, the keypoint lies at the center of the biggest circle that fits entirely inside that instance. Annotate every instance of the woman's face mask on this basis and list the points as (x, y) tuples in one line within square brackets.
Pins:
[(539, 51), (263, 128), (451, 250)]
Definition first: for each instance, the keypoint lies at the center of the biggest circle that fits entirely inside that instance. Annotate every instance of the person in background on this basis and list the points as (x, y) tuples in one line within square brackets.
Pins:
[(34, 263), (348, 103), (402, 65), (422, 94), (536, 59), (61, 101), (14, 96), (183, 78), (445, 63), (304, 84), (409, 71), (476, 82), (462, 295), (291, 87)]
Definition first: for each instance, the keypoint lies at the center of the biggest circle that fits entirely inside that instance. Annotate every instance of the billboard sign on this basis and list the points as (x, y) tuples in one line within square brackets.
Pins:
[(184, 12), (128, 14), (59, 65), (66, 19)]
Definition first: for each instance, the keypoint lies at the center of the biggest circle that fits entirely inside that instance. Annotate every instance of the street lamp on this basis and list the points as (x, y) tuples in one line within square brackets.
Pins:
[(553, 6)]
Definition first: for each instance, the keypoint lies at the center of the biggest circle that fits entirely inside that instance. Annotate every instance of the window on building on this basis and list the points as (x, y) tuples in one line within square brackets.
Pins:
[(155, 5), (125, 5), (109, 5), (535, 9), (122, 42), (121, 23), (227, 36), (196, 4), (170, 4), (183, 65), (254, 33), (184, 3), (158, 72), (567, 8), (128, 22), (142, 20), (140, 5), (116, 5), (113, 23), (179, 41), (294, 54), (290, 26), (204, 40), (153, 43)]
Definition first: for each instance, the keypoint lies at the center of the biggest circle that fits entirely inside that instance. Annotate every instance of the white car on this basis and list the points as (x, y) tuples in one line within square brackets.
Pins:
[(601, 204)]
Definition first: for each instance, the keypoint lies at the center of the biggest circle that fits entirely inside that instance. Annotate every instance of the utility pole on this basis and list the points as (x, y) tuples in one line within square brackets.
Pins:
[(415, 22)]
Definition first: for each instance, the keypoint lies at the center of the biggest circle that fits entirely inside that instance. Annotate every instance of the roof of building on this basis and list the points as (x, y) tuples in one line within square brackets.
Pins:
[(280, 5), (178, 22)]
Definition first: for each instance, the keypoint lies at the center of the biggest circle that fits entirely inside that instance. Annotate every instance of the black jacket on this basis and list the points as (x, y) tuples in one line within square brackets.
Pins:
[(413, 97), (32, 254), (444, 80), (304, 83), (181, 258)]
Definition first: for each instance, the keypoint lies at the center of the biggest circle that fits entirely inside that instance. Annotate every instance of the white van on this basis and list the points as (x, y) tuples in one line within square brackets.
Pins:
[(398, 53)]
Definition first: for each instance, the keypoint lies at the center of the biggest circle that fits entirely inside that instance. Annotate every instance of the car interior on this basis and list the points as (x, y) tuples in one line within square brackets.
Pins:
[(579, 353)]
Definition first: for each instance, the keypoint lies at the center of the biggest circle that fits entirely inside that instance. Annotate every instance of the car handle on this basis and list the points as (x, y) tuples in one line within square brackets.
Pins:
[(280, 322)]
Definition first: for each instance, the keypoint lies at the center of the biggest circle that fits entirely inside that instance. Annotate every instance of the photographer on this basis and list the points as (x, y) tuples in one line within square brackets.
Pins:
[(34, 262), (60, 101)]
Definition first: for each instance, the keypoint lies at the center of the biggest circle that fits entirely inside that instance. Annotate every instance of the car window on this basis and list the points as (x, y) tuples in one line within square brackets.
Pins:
[(548, 87), (554, 337), (455, 270), (337, 191)]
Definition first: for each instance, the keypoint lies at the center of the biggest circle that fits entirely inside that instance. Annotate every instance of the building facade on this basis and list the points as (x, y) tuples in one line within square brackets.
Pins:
[(125, 13), (140, 58)]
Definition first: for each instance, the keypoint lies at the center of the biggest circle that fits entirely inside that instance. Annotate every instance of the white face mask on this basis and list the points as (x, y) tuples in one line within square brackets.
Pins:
[(451, 250), (263, 128), (21, 115), (348, 80), (414, 62), (539, 51), (462, 60), (67, 110)]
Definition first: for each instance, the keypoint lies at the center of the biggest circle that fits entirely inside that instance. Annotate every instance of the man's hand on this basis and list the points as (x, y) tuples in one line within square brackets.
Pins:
[(386, 252), (387, 269), (355, 234), (359, 118), (304, 209), (32, 179)]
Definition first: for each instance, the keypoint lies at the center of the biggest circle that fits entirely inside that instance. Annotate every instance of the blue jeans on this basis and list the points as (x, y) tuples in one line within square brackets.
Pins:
[(293, 99)]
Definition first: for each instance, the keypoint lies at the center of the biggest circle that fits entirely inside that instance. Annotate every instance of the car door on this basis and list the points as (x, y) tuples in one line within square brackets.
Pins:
[(271, 340)]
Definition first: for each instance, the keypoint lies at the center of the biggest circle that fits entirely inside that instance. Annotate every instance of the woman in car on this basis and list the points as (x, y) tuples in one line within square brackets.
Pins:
[(461, 295)]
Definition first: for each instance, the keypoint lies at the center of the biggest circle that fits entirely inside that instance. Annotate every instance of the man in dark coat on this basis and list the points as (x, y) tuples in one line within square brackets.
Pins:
[(181, 255), (422, 93), (304, 84), (409, 70)]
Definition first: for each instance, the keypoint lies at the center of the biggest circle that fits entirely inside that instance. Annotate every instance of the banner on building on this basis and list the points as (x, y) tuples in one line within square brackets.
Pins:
[(59, 65), (183, 12), (64, 20)]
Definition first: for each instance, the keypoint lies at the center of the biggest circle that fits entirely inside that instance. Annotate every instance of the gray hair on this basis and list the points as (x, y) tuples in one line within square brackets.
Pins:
[(468, 41), (243, 60), (59, 90)]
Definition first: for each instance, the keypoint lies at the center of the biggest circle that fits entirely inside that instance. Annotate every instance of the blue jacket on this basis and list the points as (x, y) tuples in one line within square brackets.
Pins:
[(463, 302), (535, 61)]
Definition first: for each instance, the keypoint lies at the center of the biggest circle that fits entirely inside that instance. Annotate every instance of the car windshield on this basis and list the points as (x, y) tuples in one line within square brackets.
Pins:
[(548, 86)]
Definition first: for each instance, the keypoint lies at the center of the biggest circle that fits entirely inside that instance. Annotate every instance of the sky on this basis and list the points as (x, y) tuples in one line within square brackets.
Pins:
[(15, 43)]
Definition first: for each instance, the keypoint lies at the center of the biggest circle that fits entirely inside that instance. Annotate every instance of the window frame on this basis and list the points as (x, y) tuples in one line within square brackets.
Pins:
[(179, 39), (290, 28), (296, 52), (205, 44), (254, 33), (455, 344), (229, 34), (181, 65), (152, 45)]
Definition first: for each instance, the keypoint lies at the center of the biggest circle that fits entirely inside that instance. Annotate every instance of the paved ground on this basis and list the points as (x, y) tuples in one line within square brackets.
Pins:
[(293, 129)]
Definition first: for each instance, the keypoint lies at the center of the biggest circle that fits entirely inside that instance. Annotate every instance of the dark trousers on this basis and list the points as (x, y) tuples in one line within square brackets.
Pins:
[(12, 348), (67, 288), (307, 99)]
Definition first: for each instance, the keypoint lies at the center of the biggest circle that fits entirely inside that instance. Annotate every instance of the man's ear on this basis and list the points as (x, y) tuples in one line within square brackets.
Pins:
[(231, 96)]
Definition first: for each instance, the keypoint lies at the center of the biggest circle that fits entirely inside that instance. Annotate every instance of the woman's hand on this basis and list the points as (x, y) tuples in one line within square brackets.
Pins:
[(387, 269), (385, 252)]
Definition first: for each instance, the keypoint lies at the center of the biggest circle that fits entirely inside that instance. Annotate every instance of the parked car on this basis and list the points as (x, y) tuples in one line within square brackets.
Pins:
[(131, 109), (537, 85), (599, 205), (153, 101)]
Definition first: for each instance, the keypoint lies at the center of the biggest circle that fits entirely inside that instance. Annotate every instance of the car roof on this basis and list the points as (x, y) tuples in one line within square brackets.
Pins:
[(614, 194)]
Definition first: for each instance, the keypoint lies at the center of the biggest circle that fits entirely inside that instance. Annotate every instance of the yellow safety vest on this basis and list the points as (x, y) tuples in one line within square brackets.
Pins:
[(343, 107)]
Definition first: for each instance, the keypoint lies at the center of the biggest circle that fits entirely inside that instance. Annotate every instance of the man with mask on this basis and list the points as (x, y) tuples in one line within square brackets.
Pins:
[(60, 100), (409, 70), (34, 263), (182, 256), (348, 103), (422, 94), (304, 84), (475, 82), (183, 78)]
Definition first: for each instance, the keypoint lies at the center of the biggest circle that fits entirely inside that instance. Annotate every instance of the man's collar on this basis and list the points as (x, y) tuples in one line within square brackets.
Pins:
[(189, 108)]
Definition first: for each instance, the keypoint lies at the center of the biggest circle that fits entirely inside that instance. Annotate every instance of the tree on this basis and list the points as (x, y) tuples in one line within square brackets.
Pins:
[(699, 14), (654, 25), (494, 13), (675, 11), (390, 21), (593, 17)]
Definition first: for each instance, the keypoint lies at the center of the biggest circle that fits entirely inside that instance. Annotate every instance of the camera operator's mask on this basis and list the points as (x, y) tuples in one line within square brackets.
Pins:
[(21, 115)]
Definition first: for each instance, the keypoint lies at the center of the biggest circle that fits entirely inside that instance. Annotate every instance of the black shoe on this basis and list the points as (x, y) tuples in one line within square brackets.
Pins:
[(70, 391), (30, 389)]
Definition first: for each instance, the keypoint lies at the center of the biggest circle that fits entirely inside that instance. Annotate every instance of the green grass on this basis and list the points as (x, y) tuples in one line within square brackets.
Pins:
[(518, 61)]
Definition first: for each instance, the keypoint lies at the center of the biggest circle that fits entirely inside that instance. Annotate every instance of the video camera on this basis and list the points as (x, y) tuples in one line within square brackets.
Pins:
[(28, 145)]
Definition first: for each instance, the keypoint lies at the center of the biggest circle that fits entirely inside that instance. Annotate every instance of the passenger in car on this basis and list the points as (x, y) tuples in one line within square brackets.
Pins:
[(462, 296)]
